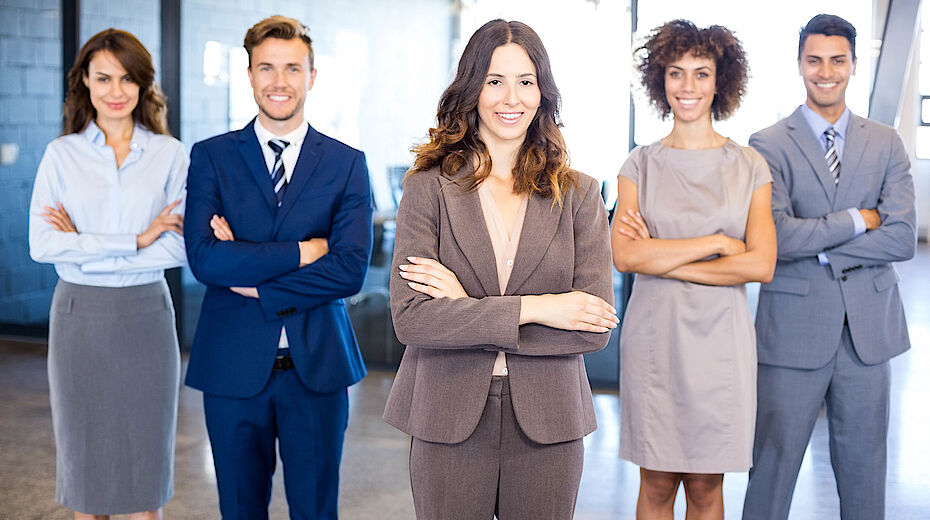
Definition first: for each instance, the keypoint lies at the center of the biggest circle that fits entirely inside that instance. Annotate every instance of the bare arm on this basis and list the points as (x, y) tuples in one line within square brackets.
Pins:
[(756, 264), (655, 256)]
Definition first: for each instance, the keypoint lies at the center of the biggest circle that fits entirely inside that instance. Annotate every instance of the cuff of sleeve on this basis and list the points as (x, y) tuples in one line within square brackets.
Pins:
[(858, 221), (120, 245), (822, 258)]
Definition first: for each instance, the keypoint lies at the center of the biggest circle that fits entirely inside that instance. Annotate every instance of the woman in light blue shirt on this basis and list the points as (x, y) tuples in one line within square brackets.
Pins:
[(107, 211)]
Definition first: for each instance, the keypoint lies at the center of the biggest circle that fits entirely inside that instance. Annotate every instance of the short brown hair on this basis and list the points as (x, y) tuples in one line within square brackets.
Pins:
[(542, 161), (280, 27), (150, 111), (673, 40)]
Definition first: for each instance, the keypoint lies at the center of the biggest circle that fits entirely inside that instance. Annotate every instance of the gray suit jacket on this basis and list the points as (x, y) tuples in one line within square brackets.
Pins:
[(802, 311), (442, 384)]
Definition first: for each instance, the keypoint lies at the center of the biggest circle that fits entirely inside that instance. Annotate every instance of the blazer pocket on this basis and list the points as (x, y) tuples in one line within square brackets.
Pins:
[(787, 284), (885, 279)]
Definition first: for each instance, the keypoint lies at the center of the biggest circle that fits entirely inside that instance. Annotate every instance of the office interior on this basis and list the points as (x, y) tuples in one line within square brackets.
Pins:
[(382, 66)]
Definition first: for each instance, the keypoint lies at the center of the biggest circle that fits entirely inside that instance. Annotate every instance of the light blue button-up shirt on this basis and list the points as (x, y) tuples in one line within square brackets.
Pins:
[(109, 206), (819, 125)]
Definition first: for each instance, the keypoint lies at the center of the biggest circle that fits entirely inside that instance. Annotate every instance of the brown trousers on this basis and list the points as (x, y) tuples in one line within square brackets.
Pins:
[(496, 471)]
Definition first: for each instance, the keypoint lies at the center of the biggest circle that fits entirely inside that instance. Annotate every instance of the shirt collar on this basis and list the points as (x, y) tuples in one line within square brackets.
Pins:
[(819, 125), (140, 136), (295, 136)]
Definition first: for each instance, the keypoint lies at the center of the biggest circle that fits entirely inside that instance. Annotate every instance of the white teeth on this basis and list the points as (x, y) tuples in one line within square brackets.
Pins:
[(509, 116), (278, 98), (688, 102), (826, 85)]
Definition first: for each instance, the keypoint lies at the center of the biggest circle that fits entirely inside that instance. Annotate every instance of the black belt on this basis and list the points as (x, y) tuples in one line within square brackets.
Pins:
[(284, 362)]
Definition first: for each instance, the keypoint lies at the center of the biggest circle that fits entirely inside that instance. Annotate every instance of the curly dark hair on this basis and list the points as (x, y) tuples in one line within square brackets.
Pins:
[(542, 162), (674, 39)]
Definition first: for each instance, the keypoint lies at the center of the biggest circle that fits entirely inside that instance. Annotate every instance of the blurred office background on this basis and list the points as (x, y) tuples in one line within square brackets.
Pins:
[(382, 65)]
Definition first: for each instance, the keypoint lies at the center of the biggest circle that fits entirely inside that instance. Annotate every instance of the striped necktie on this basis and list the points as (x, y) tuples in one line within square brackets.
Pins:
[(277, 171), (833, 160)]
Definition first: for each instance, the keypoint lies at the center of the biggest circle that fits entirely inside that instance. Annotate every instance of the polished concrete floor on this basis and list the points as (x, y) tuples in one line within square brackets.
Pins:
[(375, 484)]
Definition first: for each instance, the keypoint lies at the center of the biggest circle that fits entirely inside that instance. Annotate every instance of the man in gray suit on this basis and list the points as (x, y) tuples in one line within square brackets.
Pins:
[(827, 324)]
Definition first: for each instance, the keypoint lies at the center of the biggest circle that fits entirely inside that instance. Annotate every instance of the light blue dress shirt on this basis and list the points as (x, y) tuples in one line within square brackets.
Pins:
[(109, 206), (819, 125)]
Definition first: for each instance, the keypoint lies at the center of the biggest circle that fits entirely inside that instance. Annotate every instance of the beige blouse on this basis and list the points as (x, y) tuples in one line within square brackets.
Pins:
[(505, 242)]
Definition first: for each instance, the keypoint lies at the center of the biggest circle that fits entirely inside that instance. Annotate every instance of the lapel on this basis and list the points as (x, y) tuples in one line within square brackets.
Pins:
[(307, 162), (539, 228), (251, 153), (800, 132), (857, 139), (471, 233)]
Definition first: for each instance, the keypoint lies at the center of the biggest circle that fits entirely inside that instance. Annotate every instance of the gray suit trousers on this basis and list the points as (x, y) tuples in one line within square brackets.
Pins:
[(857, 398), (496, 470)]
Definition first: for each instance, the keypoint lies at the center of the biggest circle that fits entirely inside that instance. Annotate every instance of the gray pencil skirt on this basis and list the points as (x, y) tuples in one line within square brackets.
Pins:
[(113, 370)]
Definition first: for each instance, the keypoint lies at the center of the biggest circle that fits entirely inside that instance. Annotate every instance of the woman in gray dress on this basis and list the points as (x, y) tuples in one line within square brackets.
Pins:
[(107, 210), (694, 222)]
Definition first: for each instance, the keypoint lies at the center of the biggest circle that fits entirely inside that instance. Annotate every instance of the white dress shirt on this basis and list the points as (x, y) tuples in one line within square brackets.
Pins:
[(289, 157), (109, 206)]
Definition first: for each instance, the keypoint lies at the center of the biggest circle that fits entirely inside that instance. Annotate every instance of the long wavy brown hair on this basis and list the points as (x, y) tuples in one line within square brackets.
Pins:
[(542, 162), (150, 111)]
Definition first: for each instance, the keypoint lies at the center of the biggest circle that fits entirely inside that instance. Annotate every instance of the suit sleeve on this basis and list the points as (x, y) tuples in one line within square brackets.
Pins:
[(441, 323), (226, 263), (491, 322), (339, 273), (593, 274), (799, 237), (896, 238)]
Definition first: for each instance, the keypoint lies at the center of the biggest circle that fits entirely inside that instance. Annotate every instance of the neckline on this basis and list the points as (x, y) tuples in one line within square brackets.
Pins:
[(721, 147)]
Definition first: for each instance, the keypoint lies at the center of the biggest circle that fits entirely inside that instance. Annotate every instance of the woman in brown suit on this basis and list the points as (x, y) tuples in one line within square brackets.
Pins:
[(502, 280)]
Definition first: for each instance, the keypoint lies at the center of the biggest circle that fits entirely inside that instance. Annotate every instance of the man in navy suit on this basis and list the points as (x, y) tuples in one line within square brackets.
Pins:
[(278, 227)]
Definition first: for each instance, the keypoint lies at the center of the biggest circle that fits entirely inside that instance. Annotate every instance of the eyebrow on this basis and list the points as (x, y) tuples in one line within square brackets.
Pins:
[(292, 64), (498, 75), (702, 67)]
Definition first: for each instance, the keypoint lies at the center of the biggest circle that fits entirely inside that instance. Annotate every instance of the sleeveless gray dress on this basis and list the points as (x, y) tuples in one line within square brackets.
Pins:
[(688, 351)]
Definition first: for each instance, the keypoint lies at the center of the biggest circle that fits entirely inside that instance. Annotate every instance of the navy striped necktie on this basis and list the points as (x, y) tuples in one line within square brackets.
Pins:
[(832, 157), (277, 171)]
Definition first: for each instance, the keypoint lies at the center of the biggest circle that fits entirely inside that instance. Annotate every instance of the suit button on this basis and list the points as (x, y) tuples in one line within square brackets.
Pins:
[(843, 278)]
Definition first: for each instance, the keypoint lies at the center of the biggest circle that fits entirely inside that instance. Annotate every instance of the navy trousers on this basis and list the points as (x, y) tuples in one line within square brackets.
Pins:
[(309, 428)]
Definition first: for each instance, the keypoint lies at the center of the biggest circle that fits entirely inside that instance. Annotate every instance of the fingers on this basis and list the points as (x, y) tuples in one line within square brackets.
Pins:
[(170, 207), (221, 229), (627, 232), (58, 219), (422, 278), (598, 313), (430, 273), (428, 267), (634, 220), (590, 299), (429, 262), (425, 289)]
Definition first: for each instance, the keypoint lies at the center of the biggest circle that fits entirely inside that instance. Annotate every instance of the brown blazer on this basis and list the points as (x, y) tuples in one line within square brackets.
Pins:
[(442, 384)]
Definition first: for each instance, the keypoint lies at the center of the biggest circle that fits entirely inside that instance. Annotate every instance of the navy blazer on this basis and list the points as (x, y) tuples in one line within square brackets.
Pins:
[(237, 337)]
